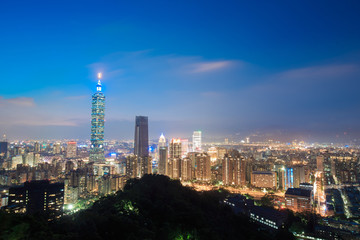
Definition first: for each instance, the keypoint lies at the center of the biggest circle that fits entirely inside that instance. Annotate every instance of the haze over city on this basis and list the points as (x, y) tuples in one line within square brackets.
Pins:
[(280, 71)]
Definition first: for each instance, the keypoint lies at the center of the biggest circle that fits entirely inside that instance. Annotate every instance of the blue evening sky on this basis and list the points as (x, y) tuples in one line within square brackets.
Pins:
[(284, 69)]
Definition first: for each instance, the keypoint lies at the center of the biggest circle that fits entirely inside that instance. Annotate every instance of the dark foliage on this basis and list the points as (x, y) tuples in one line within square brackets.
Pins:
[(153, 207)]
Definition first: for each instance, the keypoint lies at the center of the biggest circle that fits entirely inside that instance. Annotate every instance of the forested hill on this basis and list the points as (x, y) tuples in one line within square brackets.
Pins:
[(153, 207)]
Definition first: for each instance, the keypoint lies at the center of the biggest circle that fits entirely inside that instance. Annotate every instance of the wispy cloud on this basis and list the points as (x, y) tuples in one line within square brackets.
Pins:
[(18, 101), (210, 66), (46, 122), (320, 72)]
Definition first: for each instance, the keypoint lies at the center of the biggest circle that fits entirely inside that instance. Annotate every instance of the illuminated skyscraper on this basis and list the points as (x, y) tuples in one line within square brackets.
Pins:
[(37, 147), (175, 148), (163, 155), (97, 124), (71, 149), (163, 160), (197, 141), (184, 147), (162, 141), (141, 145)]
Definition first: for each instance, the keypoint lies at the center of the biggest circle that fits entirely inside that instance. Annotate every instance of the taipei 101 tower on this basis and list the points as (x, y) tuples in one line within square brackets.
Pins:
[(97, 124)]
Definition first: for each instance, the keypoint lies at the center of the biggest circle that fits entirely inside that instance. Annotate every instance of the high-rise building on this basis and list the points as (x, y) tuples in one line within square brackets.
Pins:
[(184, 147), (163, 159), (174, 161), (141, 145), (162, 141), (203, 167), (299, 175), (176, 168), (97, 124), (263, 179), (231, 166), (298, 200), (175, 148), (71, 149), (163, 155), (288, 178), (196, 141), (186, 169), (38, 197), (37, 147), (56, 148), (3, 150)]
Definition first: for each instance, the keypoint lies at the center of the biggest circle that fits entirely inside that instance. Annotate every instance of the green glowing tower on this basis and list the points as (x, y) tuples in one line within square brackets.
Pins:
[(97, 124)]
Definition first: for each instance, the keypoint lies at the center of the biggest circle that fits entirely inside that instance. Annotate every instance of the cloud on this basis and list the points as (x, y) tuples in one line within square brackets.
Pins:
[(209, 66), (18, 101), (46, 122), (323, 72)]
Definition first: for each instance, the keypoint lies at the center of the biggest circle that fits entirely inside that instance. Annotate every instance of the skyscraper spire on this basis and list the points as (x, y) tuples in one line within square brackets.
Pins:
[(162, 141), (98, 86)]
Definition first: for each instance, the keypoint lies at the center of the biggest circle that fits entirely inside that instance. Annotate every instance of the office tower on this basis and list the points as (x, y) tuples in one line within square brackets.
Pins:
[(163, 159), (71, 149), (169, 169), (29, 159), (320, 163), (16, 160), (345, 168), (174, 161), (196, 141), (288, 178), (141, 145), (184, 147), (298, 199), (37, 147), (231, 166), (3, 150), (203, 168), (175, 148), (38, 197), (162, 141), (243, 164), (176, 168), (97, 124), (263, 179), (36, 159), (186, 170), (163, 155), (299, 175), (213, 153), (56, 148)]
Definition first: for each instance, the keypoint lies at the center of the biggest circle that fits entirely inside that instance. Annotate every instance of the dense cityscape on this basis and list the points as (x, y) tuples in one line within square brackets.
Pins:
[(180, 120), (263, 178)]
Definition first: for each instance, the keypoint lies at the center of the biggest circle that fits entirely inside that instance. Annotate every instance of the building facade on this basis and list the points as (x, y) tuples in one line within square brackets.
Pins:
[(298, 199), (141, 145), (263, 179), (97, 124), (197, 141)]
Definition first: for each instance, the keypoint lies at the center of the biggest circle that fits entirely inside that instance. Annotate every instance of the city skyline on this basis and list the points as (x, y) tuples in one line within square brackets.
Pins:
[(233, 76)]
